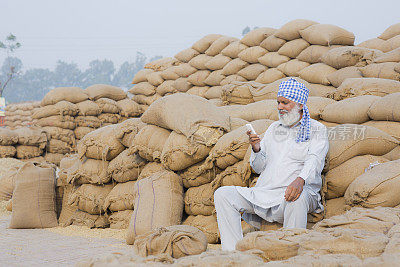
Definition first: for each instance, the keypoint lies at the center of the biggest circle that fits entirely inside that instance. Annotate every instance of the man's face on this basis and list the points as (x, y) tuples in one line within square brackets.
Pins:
[(285, 105)]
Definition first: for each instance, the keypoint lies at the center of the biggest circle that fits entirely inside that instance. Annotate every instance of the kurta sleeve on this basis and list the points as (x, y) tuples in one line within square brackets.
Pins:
[(315, 158), (258, 160)]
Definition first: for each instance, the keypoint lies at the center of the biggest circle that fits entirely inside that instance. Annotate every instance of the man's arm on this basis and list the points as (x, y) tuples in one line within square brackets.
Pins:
[(258, 154)]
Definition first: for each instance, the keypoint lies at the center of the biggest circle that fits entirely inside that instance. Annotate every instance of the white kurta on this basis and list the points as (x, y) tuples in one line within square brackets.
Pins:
[(279, 162)]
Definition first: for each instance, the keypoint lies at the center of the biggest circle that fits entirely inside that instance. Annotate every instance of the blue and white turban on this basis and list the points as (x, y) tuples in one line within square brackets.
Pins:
[(298, 92)]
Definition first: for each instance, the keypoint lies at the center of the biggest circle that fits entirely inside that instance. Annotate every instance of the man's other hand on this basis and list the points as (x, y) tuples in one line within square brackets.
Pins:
[(293, 191), (254, 141)]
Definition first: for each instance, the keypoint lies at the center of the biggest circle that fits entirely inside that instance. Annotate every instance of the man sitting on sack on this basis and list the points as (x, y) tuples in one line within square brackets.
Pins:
[(289, 158)]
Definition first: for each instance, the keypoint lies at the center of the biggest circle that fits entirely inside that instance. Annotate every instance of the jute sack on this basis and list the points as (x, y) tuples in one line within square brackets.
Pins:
[(64, 135), (200, 200), (256, 36), (179, 153), (186, 55), (252, 71), (204, 43), (129, 108), (391, 44), (237, 122), (199, 77), (292, 67), (335, 206), (251, 54), (392, 56), (199, 62), (127, 130), (322, 260), (234, 66), (237, 174), (394, 154), (218, 45), (149, 142), (67, 210), (98, 91), (149, 169), (291, 30), (158, 203), (58, 146), (8, 137), (27, 152), (109, 118), (54, 158), (314, 53), (60, 108), (167, 87), (273, 59), (88, 171), (89, 108), (354, 140), (232, 147), (377, 187), (169, 74), (9, 205), (381, 70), (7, 184), (374, 43), (238, 92), (90, 198), (214, 79), (141, 75), (161, 64), (202, 121), (390, 32), (143, 88), (100, 144), (366, 86), (175, 241), (81, 218), (293, 48), (182, 85), (348, 56), (270, 76), (7, 151), (265, 109), (317, 73), (31, 136), (198, 90), (200, 173), (126, 166), (386, 108), (233, 49), (316, 105), (80, 132), (184, 70), (339, 76), (88, 121), (340, 177), (390, 127), (65, 122), (65, 163), (232, 78), (207, 224), (121, 197), (219, 257), (350, 110), (327, 34), (272, 43), (70, 94), (106, 105), (34, 197), (120, 219)]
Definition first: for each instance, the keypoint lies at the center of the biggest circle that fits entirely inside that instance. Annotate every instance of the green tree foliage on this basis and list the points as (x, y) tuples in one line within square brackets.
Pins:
[(9, 71)]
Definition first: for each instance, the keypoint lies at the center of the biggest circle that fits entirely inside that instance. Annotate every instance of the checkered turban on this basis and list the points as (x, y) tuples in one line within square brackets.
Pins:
[(298, 92)]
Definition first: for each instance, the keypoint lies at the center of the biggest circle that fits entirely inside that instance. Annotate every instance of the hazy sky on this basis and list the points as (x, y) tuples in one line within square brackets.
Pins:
[(82, 30)]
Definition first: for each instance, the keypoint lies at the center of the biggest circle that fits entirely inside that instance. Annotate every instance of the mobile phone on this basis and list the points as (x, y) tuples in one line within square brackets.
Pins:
[(250, 128)]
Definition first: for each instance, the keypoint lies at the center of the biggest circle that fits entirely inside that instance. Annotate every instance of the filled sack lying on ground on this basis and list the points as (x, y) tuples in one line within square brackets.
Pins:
[(120, 219), (207, 224)]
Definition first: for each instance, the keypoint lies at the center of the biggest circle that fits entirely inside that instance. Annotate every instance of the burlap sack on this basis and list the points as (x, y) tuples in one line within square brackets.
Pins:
[(67, 210), (90, 198), (313, 54), (127, 130), (390, 32), (252, 54), (200, 173), (292, 67), (199, 62), (334, 207), (233, 78), (7, 184), (316, 105), (80, 132), (317, 73), (376, 187), (204, 43), (390, 127), (381, 70), (386, 108), (150, 168), (266, 109), (81, 218), (234, 66), (202, 122), (239, 92), (374, 43), (394, 154), (347, 56), (252, 71), (126, 166), (220, 257), (256, 36), (60, 108), (88, 171), (88, 121), (237, 174), (149, 142), (88, 108), (214, 79), (392, 56), (350, 110), (200, 200), (108, 118), (233, 49), (322, 260), (198, 90), (106, 105), (59, 147), (218, 45), (70, 94), (293, 48), (121, 197), (184, 70), (64, 135), (158, 203), (391, 44), (291, 30), (272, 43), (270, 76), (207, 224), (366, 86), (100, 144), (327, 34), (169, 74), (143, 88), (31, 136), (217, 62), (186, 55), (176, 241), (8, 137), (161, 64), (7, 151), (141, 75), (98, 91), (199, 77), (120, 219), (273, 59), (129, 108), (34, 197), (65, 122), (27, 152), (350, 140), (54, 158), (339, 76), (340, 177)]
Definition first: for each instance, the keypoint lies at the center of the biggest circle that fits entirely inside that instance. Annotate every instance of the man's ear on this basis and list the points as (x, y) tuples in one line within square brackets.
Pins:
[(301, 106)]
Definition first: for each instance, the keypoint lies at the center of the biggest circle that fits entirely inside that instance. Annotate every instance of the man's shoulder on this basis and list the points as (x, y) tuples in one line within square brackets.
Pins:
[(317, 124)]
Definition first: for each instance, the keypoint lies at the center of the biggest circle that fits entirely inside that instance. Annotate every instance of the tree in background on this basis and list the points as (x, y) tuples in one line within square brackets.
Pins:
[(123, 76), (9, 70), (66, 74), (99, 71)]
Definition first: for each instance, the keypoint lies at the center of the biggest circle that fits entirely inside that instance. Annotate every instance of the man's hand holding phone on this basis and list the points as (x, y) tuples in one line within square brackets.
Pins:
[(254, 138)]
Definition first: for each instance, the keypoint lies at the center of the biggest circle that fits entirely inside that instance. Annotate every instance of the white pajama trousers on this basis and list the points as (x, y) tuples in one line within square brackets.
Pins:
[(229, 204)]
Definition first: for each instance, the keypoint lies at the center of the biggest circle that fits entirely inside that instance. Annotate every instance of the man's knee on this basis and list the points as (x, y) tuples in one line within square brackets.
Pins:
[(222, 193), (300, 203)]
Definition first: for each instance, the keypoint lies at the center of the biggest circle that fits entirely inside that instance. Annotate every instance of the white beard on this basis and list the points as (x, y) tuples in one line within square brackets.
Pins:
[(291, 117)]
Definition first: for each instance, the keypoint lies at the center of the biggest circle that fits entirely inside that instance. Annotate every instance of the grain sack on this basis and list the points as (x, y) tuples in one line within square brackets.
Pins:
[(204, 43), (106, 105), (273, 59), (340, 177), (252, 54), (199, 174), (350, 110), (149, 169), (8, 137), (374, 43), (141, 75), (292, 67), (106, 119), (155, 78), (377, 187), (198, 90), (272, 43), (213, 92), (233, 49), (31, 136), (322, 260), (169, 74), (175, 241), (143, 88), (237, 174), (90, 198), (316, 105), (184, 70), (335, 206), (199, 77), (98, 91), (150, 141), (34, 197), (218, 62), (270, 76), (179, 153), (266, 109), (366, 86), (88, 121), (327, 34), (7, 183), (120, 219), (162, 64), (60, 108), (81, 218), (237, 122), (199, 62), (145, 100), (348, 56), (64, 135), (394, 154), (219, 258), (234, 66), (338, 77), (314, 53), (66, 163), (65, 122), (121, 197), (207, 224), (54, 158), (201, 121), (238, 92), (252, 71), (317, 73), (158, 203), (88, 108), (293, 48), (390, 32), (80, 132), (129, 108), (186, 55), (200, 200), (390, 127), (256, 36), (70, 94), (100, 144), (126, 166), (214, 79), (291, 30), (27, 152), (350, 140), (391, 44), (381, 70), (7, 151), (58, 146), (386, 108), (218, 45), (127, 130), (232, 78), (88, 171), (392, 56)]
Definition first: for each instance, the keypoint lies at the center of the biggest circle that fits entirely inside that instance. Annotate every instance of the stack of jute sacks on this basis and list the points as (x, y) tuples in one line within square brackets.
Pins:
[(20, 114)]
